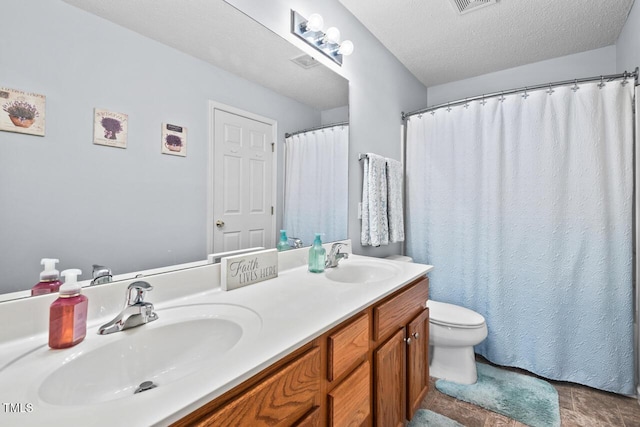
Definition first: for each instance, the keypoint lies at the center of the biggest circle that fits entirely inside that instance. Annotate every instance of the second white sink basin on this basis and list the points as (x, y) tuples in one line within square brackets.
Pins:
[(182, 341), (362, 271)]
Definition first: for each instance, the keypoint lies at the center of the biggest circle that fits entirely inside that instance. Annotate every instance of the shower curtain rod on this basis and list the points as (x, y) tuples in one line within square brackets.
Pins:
[(287, 135), (607, 78)]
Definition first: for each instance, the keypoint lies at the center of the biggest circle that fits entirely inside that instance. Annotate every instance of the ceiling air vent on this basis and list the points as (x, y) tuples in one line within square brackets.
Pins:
[(465, 6), (305, 61)]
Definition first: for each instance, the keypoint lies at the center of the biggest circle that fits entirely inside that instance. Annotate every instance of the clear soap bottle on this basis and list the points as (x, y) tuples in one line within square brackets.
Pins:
[(68, 314), (49, 278), (317, 255), (283, 244)]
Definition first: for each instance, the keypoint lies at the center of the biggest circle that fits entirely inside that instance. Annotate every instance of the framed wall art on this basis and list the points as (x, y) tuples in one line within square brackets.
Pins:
[(174, 140), (110, 128), (22, 112)]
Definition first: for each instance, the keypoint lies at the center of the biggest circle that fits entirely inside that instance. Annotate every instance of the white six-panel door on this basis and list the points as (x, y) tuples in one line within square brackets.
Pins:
[(242, 182)]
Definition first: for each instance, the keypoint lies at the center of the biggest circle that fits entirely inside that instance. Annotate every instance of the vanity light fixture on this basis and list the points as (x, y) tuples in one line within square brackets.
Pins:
[(310, 30)]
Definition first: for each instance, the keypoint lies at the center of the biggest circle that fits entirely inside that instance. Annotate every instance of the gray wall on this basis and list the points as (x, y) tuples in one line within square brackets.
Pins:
[(335, 115), (380, 88), (628, 44), (585, 64), (130, 209)]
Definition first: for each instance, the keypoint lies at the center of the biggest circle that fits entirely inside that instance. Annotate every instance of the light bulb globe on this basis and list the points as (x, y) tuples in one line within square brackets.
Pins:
[(315, 22), (333, 35), (346, 48)]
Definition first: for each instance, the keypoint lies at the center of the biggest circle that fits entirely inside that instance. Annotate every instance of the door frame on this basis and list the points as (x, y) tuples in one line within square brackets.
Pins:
[(213, 106)]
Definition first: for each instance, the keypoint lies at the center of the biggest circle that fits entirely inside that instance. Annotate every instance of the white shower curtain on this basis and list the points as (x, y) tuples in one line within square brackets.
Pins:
[(524, 207), (316, 184)]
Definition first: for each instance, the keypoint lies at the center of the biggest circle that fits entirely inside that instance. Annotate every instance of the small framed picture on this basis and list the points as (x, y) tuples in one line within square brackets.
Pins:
[(174, 140), (22, 112), (110, 128)]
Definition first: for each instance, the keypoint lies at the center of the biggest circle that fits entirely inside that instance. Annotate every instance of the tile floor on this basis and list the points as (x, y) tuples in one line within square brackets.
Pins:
[(580, 406)]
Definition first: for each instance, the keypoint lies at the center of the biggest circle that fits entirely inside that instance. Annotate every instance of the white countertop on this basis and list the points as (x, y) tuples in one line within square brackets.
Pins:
[(294, 308)]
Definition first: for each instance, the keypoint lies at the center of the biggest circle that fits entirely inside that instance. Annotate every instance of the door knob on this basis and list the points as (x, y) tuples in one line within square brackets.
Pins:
[(219, 223)]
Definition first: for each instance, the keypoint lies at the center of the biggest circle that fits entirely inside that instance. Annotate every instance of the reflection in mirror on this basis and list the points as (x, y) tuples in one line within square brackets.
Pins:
[(315, 183), (133, 209)]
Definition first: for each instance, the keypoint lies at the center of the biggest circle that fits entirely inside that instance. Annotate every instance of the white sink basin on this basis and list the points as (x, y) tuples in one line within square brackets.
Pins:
[(181, 342), (362, 271)]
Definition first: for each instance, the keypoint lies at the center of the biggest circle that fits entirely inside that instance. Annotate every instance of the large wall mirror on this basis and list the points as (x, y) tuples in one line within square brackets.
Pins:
[(136, 208)]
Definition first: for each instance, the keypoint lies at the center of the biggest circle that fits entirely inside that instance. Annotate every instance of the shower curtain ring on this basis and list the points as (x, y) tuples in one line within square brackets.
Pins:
[(601, 84), (466, 104), (625, 81), (448, 106), (483, 102), (525, 95), (502, 98), (575, 85), (550, 90)]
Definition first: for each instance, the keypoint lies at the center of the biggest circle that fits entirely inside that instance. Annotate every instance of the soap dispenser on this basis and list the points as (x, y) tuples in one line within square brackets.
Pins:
[(49, 278), (283, 244), (317, 255), (68, 314)]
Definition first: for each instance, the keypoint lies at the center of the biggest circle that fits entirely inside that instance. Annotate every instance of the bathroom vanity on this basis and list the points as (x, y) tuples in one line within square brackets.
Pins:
[(371, 367), (301, 349)]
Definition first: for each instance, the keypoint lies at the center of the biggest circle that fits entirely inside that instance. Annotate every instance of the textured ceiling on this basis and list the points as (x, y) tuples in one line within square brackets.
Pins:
[(216, 32), (438, 45)]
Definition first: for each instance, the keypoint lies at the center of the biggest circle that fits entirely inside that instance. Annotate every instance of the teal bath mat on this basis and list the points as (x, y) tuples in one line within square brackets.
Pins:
[(526, 399), (426, 418)]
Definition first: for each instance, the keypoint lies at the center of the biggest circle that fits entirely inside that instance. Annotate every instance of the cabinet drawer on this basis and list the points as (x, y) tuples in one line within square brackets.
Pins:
[(350, 401), (346, 346), (396, 312), (278, 400)]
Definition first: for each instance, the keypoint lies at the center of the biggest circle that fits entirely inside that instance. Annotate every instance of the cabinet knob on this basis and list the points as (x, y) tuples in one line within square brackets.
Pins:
[(408, 340), (416, 335)]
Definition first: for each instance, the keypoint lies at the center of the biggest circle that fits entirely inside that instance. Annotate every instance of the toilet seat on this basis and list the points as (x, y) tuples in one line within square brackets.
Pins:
[(444, 314)]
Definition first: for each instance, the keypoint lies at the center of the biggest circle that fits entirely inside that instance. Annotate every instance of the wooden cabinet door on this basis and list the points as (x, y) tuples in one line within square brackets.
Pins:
[(278, 400), (350, 401), (389, 380), (346, 346), (417, 362)]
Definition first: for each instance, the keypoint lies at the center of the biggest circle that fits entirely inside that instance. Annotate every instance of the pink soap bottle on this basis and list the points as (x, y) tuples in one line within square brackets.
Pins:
[(49, 278), (68, 314)]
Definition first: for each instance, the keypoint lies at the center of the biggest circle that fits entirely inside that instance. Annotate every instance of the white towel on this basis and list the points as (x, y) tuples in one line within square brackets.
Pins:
[(375, 226), (394, 200)]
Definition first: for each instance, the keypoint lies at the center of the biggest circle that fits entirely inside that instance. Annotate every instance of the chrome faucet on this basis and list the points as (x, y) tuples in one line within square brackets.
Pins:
[(335, 255), (100, 275), (136, 311), (295, 242)]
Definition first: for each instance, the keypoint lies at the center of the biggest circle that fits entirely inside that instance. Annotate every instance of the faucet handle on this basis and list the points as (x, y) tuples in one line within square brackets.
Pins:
[(335, 248), (100, 275), (136, 292)]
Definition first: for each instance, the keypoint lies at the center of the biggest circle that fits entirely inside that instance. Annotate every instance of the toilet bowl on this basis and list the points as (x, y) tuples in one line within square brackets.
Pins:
[(453, 331)]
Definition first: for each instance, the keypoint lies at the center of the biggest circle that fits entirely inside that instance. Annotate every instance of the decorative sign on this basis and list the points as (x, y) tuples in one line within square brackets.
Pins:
[(110, 128), (22, 112), (174, 140), (242, 270)]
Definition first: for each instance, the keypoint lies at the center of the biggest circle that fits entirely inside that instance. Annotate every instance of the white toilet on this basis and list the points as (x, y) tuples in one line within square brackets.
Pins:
[(453, 331)]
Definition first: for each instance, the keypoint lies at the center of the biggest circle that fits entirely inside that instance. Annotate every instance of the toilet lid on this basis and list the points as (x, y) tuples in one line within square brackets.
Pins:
[(449, 314)]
